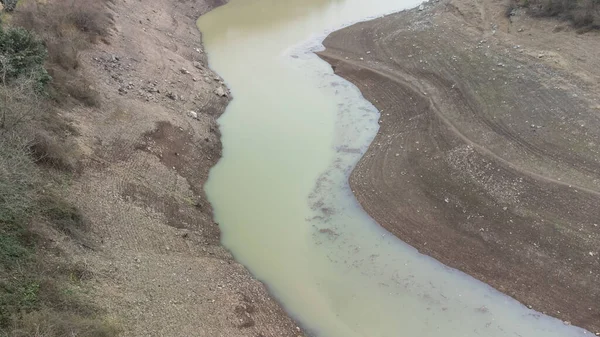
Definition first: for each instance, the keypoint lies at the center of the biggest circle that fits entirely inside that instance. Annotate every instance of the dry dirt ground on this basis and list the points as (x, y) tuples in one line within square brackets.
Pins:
[(488, 155), (154, 250)]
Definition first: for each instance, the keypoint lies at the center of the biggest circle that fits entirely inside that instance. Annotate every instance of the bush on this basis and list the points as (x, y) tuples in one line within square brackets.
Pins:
[(19, 103), (18, 177), (9, 5), (22, 55), (582, 14), (67, 27), (48, 150)]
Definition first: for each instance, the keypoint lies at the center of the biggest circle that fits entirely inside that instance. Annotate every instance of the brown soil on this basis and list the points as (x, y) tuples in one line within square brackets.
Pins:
[(487, 158), (154, 250)]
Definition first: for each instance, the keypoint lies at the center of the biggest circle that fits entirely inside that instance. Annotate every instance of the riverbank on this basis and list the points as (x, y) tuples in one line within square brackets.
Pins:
[(152, 255), (487, 157)]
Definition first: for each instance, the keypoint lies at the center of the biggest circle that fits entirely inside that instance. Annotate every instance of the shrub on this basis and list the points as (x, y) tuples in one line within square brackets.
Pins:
[(67, 27), (582, 14), (9, 5), (18, 177), (48, 150), (22, 54), (19, 103)]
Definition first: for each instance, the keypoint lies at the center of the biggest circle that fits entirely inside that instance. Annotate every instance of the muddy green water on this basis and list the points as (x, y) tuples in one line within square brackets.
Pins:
[(290, 139)]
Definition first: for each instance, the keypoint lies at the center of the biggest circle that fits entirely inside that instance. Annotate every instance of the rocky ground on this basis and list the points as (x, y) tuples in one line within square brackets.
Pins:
[(154, 250), (487, 158)]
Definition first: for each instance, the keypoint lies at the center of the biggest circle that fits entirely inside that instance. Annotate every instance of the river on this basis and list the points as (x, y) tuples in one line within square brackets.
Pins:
[(291, 136)]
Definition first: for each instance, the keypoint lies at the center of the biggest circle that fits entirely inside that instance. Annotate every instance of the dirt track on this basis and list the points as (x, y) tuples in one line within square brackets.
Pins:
[(488, 155)]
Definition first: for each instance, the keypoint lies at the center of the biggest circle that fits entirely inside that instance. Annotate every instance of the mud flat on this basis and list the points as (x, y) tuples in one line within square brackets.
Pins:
[(488, 155)]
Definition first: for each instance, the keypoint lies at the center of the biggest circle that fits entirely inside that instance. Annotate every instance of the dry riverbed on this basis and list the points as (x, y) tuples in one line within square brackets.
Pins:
[(488, 155)]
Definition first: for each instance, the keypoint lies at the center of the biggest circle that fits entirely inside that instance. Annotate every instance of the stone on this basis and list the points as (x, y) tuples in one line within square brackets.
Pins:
[(184, 71), (198, 65), (220, 92), (421, 7), (193, 114)]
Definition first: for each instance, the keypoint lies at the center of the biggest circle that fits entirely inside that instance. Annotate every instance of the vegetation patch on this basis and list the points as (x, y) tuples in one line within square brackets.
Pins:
[(67, 27), (582, 14), (41, 292)]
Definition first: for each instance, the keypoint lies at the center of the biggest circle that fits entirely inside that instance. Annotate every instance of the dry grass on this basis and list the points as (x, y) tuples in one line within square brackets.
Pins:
[(67, 28), (40, 293), (47, 323), (582, 14)]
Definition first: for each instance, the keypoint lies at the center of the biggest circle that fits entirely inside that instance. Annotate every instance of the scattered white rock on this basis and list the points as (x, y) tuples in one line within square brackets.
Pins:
[(421, 7), (193, 114)]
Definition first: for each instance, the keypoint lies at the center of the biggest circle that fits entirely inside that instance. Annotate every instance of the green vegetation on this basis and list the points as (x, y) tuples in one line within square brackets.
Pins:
[(22, 54), (41, 293), (582, 14)]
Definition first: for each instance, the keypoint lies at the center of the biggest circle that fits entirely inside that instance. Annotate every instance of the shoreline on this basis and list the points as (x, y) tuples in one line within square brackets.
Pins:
[(455, 168), (159, 268)]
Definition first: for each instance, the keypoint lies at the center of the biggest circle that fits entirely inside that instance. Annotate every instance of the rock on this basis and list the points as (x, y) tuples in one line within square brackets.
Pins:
[(193, 114), (184, 71), (198, 65), (421, 7), (172, 95), (220, 92)]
